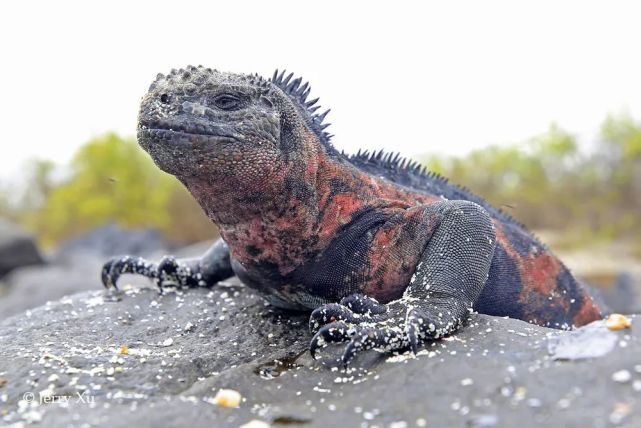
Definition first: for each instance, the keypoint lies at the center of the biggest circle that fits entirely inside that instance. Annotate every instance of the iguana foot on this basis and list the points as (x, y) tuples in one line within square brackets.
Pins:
[(168, 272), (366, 324), (351, 309)]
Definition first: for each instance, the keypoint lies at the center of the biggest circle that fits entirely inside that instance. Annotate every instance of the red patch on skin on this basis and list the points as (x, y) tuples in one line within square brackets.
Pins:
[(361, 190), (391, 266), (588, 312), (383, 266), (540, 272), (337, 214), (500, 238)]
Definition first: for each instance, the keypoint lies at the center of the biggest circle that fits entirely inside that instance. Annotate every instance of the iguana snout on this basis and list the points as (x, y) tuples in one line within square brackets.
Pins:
[(218, 126)]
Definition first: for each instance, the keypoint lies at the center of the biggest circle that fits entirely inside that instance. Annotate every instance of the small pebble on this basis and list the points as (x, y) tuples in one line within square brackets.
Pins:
[(617, 322), (227, 398), (621, 410), (483, 421), (622, 376), (534, 402), (255, 423)]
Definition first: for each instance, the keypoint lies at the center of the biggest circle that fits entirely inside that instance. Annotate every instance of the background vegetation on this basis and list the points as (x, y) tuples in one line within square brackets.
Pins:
[(109, 180), (547, 183)]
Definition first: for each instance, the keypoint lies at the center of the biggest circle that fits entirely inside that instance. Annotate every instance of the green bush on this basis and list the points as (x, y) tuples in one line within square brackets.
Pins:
[(548, 183), (110, 180)]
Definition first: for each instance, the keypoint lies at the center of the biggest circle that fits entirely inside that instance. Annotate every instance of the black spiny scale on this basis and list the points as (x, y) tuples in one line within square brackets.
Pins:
[(299, 94), (412, 174)]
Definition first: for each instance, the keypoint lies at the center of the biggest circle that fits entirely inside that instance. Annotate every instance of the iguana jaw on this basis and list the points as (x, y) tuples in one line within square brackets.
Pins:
[(179, 151), (167, 130), (183, 138)]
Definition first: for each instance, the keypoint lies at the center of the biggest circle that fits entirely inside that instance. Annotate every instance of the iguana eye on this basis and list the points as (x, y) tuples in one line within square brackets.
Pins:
[(164, 98), (227, 102)]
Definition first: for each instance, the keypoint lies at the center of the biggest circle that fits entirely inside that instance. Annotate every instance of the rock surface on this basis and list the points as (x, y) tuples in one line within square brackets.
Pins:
[(625, 295), (17, 248), (76, 267), (111, 240), (158, 360), (35, 285)]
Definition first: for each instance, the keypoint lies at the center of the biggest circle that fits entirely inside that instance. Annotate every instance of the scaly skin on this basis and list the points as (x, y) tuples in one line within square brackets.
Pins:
[(386, 254)]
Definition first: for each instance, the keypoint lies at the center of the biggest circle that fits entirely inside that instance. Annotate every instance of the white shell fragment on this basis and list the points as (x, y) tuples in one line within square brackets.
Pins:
[(227, 398)]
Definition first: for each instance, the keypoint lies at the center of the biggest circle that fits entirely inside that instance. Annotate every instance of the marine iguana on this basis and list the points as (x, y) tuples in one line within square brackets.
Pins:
[(385, 253)]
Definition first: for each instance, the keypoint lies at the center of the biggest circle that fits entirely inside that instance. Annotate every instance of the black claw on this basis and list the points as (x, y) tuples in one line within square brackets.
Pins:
[(106, 277), (167, 268), (181, 273), (412, 329), (383, 338), (168, 265), (356, 344), (330, 313), (115, 267), (329, 333), (412, 337)]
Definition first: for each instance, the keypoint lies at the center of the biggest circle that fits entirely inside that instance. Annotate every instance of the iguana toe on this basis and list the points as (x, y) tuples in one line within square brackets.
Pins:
[(334, 332), (330, 313)]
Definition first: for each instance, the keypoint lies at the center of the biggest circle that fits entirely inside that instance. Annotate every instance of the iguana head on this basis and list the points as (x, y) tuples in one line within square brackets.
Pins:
[(232, 129)]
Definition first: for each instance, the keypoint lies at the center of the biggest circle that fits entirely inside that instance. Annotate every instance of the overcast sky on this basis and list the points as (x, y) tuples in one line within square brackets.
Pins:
[(414, 77)]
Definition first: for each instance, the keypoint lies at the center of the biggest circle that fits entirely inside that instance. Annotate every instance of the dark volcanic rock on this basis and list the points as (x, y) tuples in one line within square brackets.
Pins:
[(183, 347), (69, 273), (591, 341), (36, 285), (17, 248), (625, 296), (111, 240)]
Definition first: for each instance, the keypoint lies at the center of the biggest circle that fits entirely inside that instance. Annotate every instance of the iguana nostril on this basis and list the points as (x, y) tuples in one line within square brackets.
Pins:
[(164, 98)]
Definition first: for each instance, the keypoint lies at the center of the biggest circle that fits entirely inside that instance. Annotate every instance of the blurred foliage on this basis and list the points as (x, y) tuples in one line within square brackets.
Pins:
[(548, 183), (110, 180)]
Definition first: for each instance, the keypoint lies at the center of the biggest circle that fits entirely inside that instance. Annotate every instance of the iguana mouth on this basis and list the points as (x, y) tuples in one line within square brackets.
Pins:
[(183, 136), (164, 130)]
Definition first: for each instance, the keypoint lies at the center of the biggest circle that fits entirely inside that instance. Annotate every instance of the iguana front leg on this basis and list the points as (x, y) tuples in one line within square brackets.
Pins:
[(447, 282), (205, 271)]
